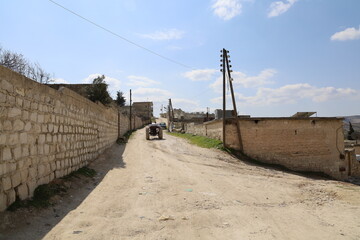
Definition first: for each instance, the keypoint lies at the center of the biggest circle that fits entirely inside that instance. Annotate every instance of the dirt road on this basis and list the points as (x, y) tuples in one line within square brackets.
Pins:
[(169, 189)]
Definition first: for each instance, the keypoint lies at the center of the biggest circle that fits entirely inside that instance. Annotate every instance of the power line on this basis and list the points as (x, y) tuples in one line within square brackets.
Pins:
[(121, 37)]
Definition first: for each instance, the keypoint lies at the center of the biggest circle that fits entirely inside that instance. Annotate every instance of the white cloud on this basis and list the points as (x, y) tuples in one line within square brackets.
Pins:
[(290, 94), (151, 94), (114, 84), (200, 74), (279, 7), (242, 79), (347, 34), (59, 80), (140, 81), (168, 34), (227, 9)]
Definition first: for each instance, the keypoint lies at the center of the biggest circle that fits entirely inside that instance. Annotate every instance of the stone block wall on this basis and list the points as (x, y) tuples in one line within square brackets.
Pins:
[(47, 133), (311, 144)]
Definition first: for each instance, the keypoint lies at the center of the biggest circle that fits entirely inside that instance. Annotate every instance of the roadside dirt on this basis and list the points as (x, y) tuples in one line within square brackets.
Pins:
[(169, 189)]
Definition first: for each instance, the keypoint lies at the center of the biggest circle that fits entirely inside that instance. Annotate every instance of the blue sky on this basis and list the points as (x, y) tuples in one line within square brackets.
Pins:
[(287, 56)]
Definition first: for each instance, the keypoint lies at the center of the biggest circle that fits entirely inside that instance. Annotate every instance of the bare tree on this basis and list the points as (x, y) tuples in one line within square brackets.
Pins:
[(18, 63)]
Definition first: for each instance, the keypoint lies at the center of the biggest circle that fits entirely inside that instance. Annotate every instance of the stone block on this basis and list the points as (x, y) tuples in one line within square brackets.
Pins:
[(34, 116), (48, 138), (7, 126), (11, 197), (33, 173), (44, 128), (56, 129), (41, 170), (41, 139), (53, 166), (20, 91), (51, 176), (36, 128), (46, 149), (2, 98), (6, 154), (25, 115), (3, 201), (41, 118), (6, 182), (31, 187), (16, 179), (7, 86), (18, 125), (33, 150), (25, 151), (14, 112), (13, 139), (51, 127), (22, 191), (34, 106), (3, 138), (17, 152), (26, 104), (41, 149), (23, 138), (27, 126), (19, 102)]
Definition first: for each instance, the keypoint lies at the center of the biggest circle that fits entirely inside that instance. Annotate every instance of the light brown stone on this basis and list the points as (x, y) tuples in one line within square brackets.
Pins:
[(6, 183), (6, 154), (22, 191), (3, 201), (17, 152), (16, 179), (11, 197), (14, 112), (31, 187), (7, 86), (3, 138), (27, 126), (7, 125), (13, 139)]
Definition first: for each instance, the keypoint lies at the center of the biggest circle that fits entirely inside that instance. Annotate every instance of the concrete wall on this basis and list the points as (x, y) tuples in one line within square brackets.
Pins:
[(311, 144), (47, 133)]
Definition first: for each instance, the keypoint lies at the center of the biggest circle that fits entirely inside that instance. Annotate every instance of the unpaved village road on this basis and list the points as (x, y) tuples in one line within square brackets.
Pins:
[(169, 189)]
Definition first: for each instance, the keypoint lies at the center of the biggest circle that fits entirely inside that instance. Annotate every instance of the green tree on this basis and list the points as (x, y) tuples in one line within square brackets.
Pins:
[(120, 99), (98, 91), (350, 132)]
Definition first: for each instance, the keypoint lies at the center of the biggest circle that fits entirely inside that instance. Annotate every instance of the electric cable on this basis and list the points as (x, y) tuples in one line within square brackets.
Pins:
[(121, 37)]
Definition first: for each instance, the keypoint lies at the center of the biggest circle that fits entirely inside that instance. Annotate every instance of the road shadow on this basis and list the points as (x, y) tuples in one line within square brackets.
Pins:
[(34, 223), (277, 167)]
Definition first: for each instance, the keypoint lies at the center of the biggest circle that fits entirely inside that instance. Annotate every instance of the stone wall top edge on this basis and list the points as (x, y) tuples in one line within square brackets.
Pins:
[(21, 81), (279, 119)]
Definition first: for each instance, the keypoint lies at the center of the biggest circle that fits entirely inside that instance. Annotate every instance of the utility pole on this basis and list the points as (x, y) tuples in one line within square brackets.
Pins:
[(130, 112), (224, 94), (228, 66)]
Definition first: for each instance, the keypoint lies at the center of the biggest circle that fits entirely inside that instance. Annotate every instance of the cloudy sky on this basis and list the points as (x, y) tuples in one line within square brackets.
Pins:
[(287, 55)]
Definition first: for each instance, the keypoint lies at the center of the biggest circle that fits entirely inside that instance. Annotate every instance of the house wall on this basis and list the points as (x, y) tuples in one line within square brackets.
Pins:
[(310, 144), (47, 133)]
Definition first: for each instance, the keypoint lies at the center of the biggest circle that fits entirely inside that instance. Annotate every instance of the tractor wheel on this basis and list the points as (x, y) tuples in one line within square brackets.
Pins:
[(147, 133), (161, 134)]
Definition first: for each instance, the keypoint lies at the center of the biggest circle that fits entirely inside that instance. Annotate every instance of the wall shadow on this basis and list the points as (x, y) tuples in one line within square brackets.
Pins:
[(33, 224)]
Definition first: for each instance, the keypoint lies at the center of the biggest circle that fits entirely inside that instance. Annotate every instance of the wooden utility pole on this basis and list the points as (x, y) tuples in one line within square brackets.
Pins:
[(224, 94), (226, 61), (234, 102), (130, 126)]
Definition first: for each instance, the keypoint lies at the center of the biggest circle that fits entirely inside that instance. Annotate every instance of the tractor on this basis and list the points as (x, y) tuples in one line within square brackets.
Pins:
[(153, 130)]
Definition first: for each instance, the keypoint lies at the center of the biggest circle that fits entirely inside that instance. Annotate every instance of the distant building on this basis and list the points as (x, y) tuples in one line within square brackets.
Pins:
[(143, 110)]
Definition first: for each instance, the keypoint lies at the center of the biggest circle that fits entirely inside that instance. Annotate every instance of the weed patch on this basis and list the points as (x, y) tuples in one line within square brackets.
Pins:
[(200, 141)]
